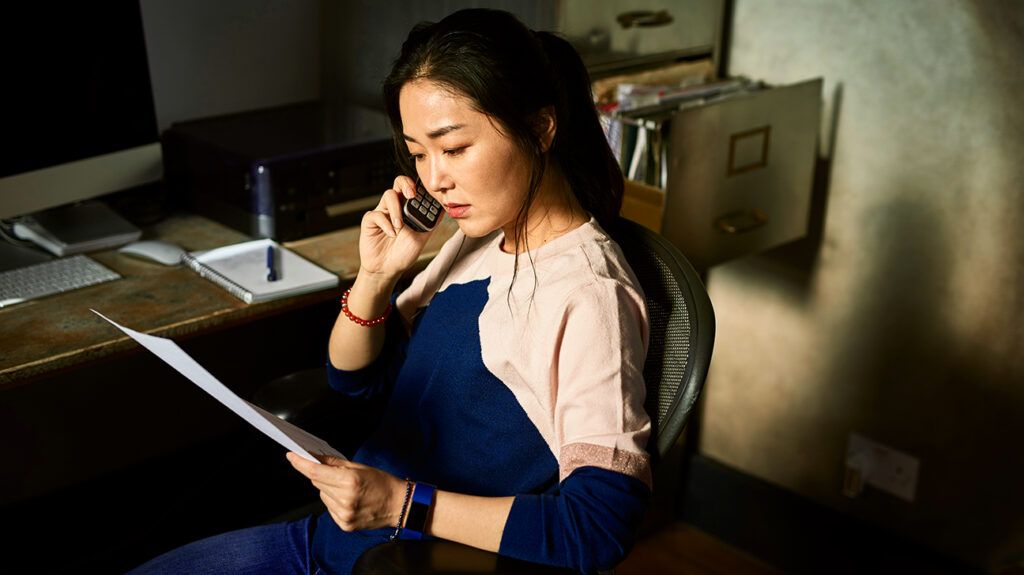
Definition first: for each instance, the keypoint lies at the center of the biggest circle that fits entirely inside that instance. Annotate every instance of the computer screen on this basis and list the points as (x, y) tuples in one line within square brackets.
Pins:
[(78, 116)]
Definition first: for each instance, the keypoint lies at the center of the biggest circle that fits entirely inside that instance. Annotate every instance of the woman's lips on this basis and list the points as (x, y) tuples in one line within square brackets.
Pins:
[(456, 210)]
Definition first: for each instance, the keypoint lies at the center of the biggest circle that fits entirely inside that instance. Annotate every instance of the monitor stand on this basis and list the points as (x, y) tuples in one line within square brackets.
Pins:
[(76, 228)]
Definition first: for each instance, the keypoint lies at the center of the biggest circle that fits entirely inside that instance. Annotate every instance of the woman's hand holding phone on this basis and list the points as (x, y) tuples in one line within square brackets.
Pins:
[(387, 245), (387, 248)]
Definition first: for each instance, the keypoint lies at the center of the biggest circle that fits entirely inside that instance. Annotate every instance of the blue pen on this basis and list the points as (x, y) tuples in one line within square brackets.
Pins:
[(271, 269)]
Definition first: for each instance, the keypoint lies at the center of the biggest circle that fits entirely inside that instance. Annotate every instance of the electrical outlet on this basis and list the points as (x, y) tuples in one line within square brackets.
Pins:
[(883, 467)]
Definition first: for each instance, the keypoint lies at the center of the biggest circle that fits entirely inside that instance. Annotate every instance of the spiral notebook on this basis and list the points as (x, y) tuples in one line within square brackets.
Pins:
[(245, 269)]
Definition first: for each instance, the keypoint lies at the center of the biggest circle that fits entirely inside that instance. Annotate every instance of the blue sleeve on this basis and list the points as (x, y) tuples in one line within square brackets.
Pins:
[(375, 380), (589, 525)]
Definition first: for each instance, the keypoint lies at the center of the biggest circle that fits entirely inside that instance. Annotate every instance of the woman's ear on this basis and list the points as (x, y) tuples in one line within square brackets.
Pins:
[(546, 126)]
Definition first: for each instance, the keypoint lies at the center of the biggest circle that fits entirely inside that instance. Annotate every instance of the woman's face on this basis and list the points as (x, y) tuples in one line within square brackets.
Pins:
[(478, 173)]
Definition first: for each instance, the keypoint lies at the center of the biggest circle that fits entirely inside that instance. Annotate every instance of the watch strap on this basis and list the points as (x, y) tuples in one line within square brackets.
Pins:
[(419, 511)]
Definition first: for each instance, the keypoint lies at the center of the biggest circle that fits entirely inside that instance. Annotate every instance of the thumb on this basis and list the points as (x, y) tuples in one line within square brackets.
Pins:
[(333, 461)]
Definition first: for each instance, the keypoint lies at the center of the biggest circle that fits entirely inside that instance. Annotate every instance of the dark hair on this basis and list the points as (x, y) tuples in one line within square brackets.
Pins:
[(511, 73)]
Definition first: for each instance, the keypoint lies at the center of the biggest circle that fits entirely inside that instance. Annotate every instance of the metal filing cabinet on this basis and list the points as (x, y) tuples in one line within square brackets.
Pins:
[(735, 162), (740, 172)]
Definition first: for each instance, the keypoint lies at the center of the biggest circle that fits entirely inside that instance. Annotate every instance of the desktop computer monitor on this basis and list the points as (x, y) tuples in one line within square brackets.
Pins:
[(78, 118)]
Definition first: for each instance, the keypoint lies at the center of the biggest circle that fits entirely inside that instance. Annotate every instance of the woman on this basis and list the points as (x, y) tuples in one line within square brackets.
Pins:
[(512, 366)]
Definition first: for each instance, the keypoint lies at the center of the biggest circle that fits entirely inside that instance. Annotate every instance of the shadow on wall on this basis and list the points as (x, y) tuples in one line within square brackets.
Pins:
[(992, 454), (917, 391)]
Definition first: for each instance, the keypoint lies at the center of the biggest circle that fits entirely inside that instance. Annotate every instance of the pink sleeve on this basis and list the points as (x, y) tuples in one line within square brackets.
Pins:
[(599, 417)]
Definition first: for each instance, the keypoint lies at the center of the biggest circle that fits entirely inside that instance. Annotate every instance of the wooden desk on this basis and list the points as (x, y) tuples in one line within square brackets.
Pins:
[(59, 333)]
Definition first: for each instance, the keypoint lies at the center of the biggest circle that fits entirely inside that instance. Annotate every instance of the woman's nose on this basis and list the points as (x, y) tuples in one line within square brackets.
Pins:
[(436, 178)]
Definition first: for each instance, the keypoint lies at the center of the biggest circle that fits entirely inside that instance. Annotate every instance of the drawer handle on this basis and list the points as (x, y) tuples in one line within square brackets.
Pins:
[(741, 221), (645, 18)]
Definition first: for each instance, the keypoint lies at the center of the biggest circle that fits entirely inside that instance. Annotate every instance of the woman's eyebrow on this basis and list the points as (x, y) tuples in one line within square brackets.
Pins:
[(433, 135)]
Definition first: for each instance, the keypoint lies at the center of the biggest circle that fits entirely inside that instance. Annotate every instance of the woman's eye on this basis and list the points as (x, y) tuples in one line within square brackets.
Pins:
[(455, 151), (416, 157)]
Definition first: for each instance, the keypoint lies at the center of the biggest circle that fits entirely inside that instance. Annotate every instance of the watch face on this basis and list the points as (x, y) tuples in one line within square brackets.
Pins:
[(419, 511), (423, 211)]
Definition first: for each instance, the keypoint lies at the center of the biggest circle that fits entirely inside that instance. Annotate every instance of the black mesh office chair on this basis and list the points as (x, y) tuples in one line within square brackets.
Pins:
[(682, 329)]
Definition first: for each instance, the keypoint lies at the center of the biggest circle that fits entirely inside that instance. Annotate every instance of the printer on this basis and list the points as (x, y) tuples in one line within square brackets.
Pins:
[(284, 173)]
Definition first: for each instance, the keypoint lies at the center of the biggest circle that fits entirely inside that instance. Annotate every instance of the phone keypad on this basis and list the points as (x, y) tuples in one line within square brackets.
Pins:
[(426, 208)]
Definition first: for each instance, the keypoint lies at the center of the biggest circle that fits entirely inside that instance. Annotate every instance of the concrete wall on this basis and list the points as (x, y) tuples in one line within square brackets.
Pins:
[(362, 38), (901, 319)]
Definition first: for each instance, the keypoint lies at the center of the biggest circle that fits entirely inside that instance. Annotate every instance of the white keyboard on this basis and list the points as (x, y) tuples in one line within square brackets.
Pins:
[(48, 278)]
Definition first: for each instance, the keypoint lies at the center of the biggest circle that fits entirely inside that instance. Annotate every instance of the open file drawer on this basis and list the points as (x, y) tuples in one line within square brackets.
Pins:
[(738, 171)]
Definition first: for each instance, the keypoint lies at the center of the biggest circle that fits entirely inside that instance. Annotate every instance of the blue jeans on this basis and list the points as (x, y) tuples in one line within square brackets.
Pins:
[(270, 549)]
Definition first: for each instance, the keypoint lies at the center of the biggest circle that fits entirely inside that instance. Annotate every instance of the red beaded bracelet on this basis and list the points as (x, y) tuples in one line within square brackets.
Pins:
[(363, 322)]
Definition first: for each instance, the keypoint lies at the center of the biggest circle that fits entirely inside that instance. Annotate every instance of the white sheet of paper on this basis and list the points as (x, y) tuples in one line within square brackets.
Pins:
[(291, 437)]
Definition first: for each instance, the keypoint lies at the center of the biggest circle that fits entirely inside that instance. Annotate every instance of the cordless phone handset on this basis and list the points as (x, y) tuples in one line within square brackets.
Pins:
[(422, 212)]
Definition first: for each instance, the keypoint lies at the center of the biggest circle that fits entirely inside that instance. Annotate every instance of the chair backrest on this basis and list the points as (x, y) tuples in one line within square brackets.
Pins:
[(682, 330)]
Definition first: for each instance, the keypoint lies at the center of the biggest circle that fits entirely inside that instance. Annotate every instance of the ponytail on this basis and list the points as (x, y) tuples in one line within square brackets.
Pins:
[(580, 146)]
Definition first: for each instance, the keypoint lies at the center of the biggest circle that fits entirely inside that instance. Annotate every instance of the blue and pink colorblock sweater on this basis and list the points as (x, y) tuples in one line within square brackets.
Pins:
[(532, 388)]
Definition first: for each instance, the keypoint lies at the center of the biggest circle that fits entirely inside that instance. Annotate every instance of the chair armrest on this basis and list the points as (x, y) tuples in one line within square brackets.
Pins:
[(295, 397), (304, 398)]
